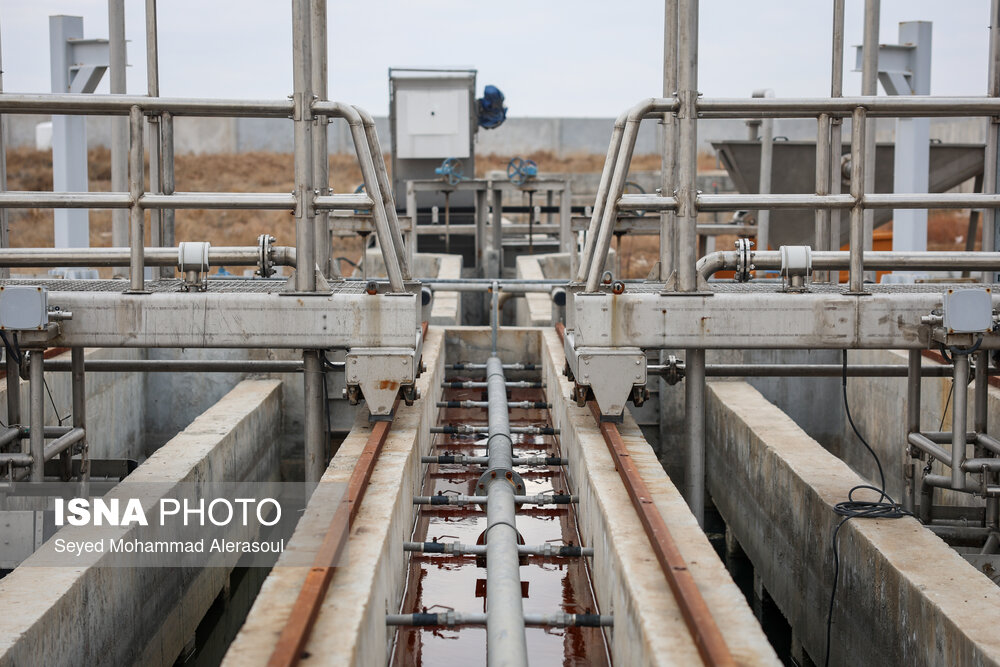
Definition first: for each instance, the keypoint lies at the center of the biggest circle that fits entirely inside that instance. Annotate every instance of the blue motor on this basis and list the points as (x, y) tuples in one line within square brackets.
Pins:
[(492, 112)]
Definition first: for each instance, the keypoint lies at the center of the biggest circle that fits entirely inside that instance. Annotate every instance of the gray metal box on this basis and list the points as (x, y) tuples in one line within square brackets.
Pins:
[(968, 311), (23, 307)]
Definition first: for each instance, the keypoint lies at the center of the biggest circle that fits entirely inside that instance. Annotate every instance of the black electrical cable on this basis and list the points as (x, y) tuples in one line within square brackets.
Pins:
[(883, 508), (13, 349)]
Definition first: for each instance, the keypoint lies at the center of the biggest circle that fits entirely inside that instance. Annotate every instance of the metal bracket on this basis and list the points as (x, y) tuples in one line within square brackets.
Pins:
[(192, 262), (379, 373), (610, 372), (796, 267)]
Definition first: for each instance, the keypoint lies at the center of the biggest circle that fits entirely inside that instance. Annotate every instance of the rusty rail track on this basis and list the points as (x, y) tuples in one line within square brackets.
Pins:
[(706, 634), (298, 627), (704, 630), (292, 642)]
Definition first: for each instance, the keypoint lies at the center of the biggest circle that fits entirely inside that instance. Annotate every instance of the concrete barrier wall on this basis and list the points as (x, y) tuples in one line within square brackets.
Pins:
[(519, 135), (350, 629), (97, 615), (628, 581), (905, 597)]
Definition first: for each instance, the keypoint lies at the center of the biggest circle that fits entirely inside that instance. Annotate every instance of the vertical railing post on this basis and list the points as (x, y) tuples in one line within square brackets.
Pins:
[(302, 97), (668, 164), (857, 191), (136, 185), (321, 156)]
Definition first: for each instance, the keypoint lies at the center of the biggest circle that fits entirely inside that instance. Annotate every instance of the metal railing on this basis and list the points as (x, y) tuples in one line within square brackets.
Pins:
[(681, 199), (312, 199)]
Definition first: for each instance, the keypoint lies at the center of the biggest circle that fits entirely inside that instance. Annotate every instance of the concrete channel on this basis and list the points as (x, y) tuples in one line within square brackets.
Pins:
[(648, 627)]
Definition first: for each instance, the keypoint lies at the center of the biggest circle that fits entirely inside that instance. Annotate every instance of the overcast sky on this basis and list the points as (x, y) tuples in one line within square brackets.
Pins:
[(550, 58)]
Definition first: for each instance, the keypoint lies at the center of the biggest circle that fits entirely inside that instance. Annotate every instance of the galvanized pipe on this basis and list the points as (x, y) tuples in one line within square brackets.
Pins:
[(182, 366), (686, 232), (385, 188), (840, 260), (78, 383), (914, 370), (217, 256), (836, 124), (869, 86), (821, 202), (383, 227), (119, 125), (153, 122), (120, 105), (991, 158), (36, 414), (276, 201), (167, 185), (314, 426), (136, 216), (505, 639), (668, 163), (960, 399), (694, 427), (910, 106), (856, 275), (610, 210), (60, 446), (924, 444), (601, 199), (764, 182), (13, 391), (320, 150), (805, 370), (822, 230), (302, 98)]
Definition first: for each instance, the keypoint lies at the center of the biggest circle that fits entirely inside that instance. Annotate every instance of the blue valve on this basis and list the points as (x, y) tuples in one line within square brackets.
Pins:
[(519, 171), (451, 170)]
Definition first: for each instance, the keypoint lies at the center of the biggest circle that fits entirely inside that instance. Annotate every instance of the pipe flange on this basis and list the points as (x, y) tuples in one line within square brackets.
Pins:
[(744, 259), (499, 473), (265, 256)]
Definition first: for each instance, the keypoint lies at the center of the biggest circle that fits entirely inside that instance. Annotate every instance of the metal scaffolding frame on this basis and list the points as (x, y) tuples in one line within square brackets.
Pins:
[(685, 311), (228, 314)]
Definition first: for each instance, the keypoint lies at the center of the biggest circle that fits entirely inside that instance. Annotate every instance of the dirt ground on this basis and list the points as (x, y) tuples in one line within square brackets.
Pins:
[(273, 172)]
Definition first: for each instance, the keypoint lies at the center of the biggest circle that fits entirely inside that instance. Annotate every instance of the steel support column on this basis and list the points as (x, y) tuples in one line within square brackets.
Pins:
[(315, 436), (36, 415)]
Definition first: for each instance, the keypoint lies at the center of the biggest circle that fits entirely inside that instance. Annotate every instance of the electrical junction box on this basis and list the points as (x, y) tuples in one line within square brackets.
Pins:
[(968, 311), (432, 122), (23, 307)]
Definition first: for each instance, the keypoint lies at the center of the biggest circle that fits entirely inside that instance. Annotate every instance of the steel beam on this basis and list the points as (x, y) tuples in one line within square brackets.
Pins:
[(236, 320), (758, 319)]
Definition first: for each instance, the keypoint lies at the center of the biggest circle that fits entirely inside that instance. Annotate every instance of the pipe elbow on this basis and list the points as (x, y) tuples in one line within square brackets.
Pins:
[(714, 262)]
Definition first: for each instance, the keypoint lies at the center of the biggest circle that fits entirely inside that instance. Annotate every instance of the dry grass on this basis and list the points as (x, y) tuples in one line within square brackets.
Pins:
[(273, 172)]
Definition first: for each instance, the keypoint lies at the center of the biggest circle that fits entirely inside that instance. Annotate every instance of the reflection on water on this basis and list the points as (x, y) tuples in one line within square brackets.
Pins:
[(437, 581)]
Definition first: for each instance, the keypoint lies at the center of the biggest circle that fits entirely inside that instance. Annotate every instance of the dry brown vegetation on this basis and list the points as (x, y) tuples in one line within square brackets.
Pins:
[(273, 172)]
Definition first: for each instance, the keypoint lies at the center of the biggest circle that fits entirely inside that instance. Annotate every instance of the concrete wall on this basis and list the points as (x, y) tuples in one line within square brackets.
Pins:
[(905, 597), (517, 136), (98, 615), (350, 629), (627, 579)]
